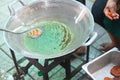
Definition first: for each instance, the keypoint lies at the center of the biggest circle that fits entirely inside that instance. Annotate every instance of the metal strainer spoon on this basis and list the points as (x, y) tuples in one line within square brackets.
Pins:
[(33, 32)]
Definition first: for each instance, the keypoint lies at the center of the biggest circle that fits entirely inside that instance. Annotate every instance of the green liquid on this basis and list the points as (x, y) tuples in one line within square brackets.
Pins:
[(55, 38)]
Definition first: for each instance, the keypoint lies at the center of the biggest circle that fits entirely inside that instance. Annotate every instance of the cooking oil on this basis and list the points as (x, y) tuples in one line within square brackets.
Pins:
[(55, 38)]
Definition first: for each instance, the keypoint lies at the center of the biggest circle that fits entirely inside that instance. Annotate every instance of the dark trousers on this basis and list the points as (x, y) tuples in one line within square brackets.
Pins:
[(82, 1), (97, 11)]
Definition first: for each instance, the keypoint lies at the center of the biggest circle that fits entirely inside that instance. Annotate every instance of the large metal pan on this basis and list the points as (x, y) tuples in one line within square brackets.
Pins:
[(74, 16)]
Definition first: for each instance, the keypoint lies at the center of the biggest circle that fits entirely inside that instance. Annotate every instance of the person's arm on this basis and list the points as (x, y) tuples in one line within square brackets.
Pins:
[(110, 10)]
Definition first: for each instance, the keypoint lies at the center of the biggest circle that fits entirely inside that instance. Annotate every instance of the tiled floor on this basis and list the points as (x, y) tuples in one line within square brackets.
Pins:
[(58, 73)]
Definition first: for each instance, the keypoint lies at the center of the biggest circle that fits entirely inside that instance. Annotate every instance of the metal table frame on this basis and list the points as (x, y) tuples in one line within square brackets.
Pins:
[(64, 61)]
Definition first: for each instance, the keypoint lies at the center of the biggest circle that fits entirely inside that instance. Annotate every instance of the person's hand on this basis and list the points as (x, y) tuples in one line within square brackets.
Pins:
[(110, 10)]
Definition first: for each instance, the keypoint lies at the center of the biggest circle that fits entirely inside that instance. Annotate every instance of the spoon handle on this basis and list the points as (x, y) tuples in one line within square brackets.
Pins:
[(9, 31), (6, 30)]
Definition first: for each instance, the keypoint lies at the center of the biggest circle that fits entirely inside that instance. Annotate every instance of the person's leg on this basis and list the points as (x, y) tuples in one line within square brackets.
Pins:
[(82, 50), (98, 14), (115, 43)]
